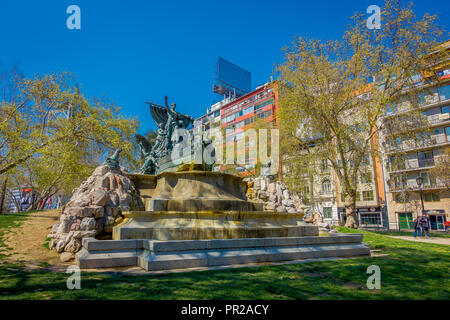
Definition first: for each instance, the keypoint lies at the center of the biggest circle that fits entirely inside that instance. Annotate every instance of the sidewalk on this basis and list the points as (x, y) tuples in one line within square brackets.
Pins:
[(425, 239)]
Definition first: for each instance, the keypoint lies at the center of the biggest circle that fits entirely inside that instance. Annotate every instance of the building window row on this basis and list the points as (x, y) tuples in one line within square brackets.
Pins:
[(428, 96)]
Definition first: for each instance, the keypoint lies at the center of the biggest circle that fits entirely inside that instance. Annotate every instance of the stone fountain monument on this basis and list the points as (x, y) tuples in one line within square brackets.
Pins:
[(188, 216)]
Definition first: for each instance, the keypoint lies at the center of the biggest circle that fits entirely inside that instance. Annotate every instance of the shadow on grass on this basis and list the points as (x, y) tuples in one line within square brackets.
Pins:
[(410, 271)]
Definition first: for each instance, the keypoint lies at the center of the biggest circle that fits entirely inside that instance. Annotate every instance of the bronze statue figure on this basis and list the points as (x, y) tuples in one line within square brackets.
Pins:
[(113, 161), (168, 120)]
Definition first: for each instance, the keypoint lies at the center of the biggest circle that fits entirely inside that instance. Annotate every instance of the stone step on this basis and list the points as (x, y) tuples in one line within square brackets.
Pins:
[(92, 244), (153, 255), (151, 261), (87, 260)]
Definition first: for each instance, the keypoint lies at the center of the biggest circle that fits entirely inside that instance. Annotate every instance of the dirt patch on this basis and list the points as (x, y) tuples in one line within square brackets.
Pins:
[(27, 240)]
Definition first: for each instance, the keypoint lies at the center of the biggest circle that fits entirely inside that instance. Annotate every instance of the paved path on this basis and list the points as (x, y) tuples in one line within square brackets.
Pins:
[(434, 240)]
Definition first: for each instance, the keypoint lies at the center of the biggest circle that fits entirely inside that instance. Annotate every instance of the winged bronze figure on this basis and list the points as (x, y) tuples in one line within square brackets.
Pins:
[(167, 120)]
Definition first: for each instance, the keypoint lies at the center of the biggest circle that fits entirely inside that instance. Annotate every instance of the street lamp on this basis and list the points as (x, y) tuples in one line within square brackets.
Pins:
[(419, 181)]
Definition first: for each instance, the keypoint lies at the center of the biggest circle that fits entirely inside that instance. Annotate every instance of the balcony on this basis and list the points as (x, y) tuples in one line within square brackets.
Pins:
[(412, 186), (437, 140), (428, 103), (411, 165), (438, 119), (426, 163), (324, 193)]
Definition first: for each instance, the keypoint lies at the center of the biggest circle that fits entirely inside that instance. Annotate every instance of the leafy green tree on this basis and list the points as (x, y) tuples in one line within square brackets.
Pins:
[(333, 94), (50, 113), (52, 136)]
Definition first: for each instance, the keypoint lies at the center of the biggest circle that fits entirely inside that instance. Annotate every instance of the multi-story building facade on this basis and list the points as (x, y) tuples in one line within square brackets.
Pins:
[(320, 191), (407, 158), (234, 116), (371, 210), (388, 195)]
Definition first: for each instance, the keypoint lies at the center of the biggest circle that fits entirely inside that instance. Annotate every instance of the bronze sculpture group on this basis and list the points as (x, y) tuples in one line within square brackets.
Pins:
[(168, 121)]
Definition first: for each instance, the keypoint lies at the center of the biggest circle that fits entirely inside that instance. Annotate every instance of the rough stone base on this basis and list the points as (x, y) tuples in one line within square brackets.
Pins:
[(154, 255)]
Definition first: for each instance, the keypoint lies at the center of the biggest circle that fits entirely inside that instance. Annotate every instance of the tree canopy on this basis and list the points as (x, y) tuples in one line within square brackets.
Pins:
[(334, 93), (51, 135)]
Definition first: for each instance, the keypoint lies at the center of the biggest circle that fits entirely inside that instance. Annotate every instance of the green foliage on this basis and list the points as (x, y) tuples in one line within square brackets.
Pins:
[(52, 136), (333, 94)]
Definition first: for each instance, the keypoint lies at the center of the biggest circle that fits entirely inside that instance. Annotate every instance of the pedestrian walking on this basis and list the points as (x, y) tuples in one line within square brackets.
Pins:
[(417, 226), (425, 221)]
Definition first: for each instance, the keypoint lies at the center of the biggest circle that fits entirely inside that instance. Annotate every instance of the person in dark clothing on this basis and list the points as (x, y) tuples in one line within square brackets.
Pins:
[(417, 226), (425, 225)]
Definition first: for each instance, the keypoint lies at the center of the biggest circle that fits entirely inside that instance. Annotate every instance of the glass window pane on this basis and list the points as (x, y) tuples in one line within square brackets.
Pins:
[(444, 92)]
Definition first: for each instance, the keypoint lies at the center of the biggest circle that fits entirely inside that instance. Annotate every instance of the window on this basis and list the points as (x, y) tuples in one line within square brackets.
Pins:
[(395, 144), (425, 159), (370, 218), (390, 109), (430, 95), (366, 177), (247, 110), (263, 104), (444, 92), (428, 180), (402, 198), (326, 186), (431, 197), (397, 163), (368, 195), (324, 165), (249, 120), (405, 220), (239, 124), (306, 190), (365, 160), (419, 99), (447, 133), (399, 182), (327, 213)]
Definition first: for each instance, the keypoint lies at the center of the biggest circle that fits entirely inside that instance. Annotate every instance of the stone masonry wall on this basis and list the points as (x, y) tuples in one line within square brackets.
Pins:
[(95, 206), (275, 195)]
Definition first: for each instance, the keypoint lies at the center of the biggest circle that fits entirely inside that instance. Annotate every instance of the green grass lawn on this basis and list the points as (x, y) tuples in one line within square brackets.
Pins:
[(412, 270)]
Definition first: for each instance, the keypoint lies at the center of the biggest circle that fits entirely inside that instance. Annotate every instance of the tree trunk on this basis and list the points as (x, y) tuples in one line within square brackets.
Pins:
[(3, 194), (350, 210)]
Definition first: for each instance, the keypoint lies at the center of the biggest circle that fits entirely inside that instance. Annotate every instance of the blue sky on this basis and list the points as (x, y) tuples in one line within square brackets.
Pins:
[(136, 51)]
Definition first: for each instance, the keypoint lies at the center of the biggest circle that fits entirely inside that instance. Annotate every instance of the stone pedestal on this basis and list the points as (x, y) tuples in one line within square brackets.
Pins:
[(153, 255), (172, 225), (196, 205), (198, 219)]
